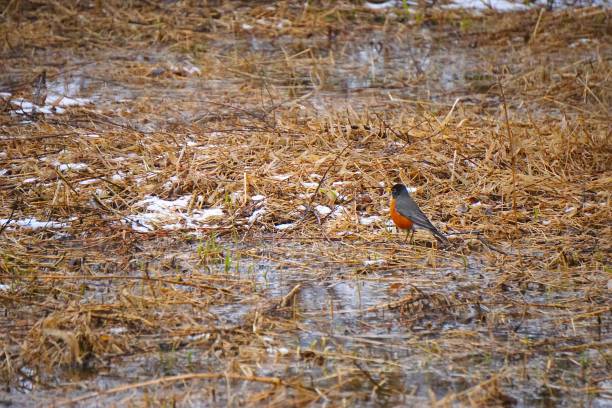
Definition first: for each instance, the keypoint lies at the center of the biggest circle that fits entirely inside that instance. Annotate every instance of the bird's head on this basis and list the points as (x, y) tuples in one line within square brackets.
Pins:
[(398, 189)]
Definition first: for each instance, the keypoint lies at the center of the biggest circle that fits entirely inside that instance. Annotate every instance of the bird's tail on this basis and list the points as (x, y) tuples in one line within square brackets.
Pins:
[(440, 236)]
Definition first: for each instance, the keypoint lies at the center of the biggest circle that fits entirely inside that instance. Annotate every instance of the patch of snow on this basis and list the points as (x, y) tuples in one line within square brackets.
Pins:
[(498, 5), (282, 227), (281, 177), (168, 214), (323, 210), (30, 180), (118, 330), (258, 197), (369, 220), (280, 350), (171, 181), (71, 166), (309, 185), (89, 181), (4, 288), (33, 223), (59, 100), (118, 176), (369, 262), (381, 6), (256, 214), (247, 27), (27, 107), (3, 172)]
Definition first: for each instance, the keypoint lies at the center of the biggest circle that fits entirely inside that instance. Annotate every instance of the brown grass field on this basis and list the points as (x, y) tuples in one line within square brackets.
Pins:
[(196, 211)]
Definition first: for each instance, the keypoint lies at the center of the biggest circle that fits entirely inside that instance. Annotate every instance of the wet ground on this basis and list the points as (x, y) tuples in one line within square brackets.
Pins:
[(278, 319)]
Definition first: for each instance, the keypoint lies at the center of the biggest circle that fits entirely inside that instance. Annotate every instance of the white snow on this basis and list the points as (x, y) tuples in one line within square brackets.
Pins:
[(89, 181), (281, 177), (256, 214), (282, 227), (71, 166), (258, 197), (369, 262), (33, 223), (369, 220), (169, 214), (498, 5), (118, 176), (323, 210), (382, 6), (118, 330)]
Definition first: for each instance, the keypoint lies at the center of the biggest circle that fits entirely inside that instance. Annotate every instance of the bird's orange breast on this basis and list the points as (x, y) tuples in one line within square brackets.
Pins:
[(399, 220)]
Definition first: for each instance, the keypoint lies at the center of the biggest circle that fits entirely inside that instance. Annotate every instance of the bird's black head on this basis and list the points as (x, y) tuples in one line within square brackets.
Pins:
[(398, 189)]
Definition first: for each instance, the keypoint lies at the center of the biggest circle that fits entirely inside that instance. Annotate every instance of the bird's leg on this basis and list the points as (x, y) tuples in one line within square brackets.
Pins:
[(407, 232), (412, 236)]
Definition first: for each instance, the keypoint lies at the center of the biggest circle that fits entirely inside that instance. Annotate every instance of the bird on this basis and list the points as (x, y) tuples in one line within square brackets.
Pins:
[(407, 215)]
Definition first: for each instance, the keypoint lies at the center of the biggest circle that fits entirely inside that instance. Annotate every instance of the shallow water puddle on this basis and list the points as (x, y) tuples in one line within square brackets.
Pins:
[(411, 330)]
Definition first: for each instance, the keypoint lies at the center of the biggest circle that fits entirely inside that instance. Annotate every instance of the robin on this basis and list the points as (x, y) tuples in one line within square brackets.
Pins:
[(407, 215)]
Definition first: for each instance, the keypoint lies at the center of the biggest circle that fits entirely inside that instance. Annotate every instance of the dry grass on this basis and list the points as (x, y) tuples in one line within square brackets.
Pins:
[(501, 121)]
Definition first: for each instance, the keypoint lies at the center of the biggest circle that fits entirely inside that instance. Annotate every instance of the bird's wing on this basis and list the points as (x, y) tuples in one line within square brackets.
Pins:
[(409, 209)]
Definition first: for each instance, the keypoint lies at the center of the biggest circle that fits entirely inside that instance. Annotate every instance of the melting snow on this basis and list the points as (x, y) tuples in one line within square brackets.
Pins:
[(281, 177), (168, 214), (71, 166), (369, 220), (282, 227), (256, 214), (33, 223)]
